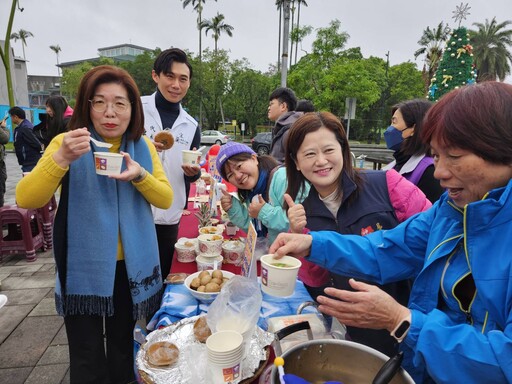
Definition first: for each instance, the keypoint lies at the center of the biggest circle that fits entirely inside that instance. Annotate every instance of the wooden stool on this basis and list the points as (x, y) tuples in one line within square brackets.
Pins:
[(24, 234), (47, 215)]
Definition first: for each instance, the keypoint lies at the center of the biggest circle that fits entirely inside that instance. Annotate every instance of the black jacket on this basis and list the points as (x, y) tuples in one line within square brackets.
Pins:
[(27, 146)]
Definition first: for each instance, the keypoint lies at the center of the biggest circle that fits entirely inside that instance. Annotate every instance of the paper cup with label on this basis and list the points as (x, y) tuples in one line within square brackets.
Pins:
[(108, 163), (224, 353), (278, 276), (191, 157)]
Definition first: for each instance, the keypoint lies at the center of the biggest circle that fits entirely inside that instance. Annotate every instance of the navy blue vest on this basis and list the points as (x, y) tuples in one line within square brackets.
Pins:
[(369, 212)]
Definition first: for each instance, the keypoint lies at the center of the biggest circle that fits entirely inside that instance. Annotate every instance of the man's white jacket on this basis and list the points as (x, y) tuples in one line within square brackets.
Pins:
[(183, 130)]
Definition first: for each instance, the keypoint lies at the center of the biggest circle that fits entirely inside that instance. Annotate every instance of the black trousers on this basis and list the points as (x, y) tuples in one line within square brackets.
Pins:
[(167, 235), (89, 362), (3, 178)]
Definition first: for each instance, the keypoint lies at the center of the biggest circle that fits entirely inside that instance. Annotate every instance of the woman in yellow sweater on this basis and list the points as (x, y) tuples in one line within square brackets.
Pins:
[(105, 246)]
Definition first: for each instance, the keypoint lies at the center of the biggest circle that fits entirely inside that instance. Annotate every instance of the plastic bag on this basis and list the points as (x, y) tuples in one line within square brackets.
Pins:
[(261, 247), (237, 307)]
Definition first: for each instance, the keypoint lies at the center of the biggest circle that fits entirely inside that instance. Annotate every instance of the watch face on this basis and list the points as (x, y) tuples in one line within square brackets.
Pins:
[(402, 329)]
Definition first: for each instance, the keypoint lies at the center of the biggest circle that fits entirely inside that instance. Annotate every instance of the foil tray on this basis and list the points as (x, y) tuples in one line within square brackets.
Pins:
[(192, 366)]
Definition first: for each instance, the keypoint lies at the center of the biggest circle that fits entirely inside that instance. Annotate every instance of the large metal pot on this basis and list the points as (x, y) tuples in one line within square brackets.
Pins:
[(318, 361)]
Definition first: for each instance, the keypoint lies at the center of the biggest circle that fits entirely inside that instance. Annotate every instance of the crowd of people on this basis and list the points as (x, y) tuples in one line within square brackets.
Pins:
[(411, 258)]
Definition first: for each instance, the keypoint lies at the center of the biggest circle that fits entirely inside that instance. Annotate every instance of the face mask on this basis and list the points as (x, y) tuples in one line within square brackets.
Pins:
[(393, 138)]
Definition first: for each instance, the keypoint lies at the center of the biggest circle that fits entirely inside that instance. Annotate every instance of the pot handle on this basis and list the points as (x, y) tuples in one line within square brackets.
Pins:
[(389, 369), (286, 331), (335, 328)]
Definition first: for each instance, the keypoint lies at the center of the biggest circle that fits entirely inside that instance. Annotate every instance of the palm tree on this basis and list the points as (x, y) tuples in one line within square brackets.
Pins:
[(292, 12), (279, 5), (198, 7), (217, 26), (56, 49), (297, 25), (431, 43), (22, 35), (491, 44)]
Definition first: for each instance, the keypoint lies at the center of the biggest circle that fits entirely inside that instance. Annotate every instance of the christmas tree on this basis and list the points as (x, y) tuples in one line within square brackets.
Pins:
[(456, 67)]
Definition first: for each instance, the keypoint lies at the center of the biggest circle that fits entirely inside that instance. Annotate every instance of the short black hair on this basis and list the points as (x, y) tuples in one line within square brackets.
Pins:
[(285, 95), (305, 106), (164, 61), (17, 111)]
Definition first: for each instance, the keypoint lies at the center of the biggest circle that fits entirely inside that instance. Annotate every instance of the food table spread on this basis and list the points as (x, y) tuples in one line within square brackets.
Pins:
[(179, 305)]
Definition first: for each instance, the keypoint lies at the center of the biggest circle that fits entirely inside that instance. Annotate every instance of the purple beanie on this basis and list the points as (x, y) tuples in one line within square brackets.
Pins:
[(229, 149)]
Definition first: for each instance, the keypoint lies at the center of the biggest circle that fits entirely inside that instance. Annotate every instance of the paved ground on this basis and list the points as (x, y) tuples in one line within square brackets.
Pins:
[(33, 344)]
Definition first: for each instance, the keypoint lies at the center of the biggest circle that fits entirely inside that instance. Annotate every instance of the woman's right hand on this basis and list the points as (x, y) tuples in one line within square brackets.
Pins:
[(226, 200), (296, 215), (74, 144)]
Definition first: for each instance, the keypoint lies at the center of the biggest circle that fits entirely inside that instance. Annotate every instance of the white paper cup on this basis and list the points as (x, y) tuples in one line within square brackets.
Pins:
[(210, 245), (233, 251), (238, 324), (185, 254), (225, 373), (108, 163), (278, 276), (224, 345), (191, 157), (208, 263)]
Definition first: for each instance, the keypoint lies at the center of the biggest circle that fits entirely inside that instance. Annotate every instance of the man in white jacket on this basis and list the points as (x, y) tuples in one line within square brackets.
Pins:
[(172, 73)]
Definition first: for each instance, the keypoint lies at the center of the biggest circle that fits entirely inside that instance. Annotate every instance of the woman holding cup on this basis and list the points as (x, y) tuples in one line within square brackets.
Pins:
[(105, 246)]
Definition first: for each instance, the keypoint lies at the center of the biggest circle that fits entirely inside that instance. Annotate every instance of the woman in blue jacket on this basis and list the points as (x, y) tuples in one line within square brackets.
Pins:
[(457, 327)]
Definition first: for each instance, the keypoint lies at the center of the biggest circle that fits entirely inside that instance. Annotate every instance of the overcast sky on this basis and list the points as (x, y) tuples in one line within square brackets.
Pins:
[(80, 27)]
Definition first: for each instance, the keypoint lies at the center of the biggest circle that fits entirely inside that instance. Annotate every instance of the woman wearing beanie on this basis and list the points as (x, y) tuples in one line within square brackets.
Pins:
[(261, 185)]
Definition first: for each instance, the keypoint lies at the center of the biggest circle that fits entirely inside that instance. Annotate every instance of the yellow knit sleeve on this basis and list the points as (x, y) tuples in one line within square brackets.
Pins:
[(36, 189), (155, 187)]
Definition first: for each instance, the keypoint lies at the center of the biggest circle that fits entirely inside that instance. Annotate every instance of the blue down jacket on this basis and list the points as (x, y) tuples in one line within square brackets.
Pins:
[(445, 243)]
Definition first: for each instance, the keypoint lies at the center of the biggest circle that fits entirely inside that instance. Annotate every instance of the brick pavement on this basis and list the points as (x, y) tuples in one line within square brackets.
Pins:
[(33, 343)]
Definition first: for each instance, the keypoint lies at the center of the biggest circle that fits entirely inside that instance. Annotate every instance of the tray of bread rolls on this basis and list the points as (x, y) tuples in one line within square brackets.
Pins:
[(177, 353)]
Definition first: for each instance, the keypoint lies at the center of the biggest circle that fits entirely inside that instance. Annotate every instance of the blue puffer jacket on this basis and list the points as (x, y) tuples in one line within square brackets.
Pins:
[(444, 244)]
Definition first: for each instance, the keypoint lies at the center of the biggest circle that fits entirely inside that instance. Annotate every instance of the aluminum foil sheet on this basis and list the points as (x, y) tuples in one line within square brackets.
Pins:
[(191, 367)]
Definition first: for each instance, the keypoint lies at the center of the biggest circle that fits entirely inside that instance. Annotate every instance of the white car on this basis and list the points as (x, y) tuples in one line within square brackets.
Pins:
[(214, 137)]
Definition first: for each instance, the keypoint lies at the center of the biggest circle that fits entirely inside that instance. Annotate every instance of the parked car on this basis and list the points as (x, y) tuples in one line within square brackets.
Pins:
[(261, 143), (214, 137)]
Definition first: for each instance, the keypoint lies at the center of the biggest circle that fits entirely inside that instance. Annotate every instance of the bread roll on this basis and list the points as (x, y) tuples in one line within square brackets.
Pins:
[(162, 353), (201, 329)]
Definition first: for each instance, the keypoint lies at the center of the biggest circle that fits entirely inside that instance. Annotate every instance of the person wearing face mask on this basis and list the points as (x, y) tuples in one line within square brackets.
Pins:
[(412, 159)]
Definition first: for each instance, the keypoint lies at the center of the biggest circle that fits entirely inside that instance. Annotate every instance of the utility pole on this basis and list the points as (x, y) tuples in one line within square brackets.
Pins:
[(286, 41)]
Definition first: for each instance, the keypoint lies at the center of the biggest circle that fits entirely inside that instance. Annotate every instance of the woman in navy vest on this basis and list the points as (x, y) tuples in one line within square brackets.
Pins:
[(412, 156), (344, 200)]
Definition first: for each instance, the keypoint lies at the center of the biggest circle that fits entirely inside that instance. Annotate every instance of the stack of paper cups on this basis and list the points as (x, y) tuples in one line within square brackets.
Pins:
[(225, 352), (238, 324)]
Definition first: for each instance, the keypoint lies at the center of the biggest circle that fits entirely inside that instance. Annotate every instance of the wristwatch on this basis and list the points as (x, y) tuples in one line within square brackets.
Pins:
[(141, 176), (402, 328)]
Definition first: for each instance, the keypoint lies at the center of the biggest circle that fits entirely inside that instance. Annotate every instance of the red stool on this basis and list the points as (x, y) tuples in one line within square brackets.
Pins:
[(24, 234), (47, 215)]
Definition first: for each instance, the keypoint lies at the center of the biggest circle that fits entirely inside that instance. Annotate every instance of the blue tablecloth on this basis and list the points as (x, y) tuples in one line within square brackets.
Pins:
[(178, 303)]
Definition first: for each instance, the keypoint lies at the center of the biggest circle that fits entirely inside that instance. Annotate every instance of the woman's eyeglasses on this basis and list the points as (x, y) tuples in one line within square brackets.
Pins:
[(119, 106)]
